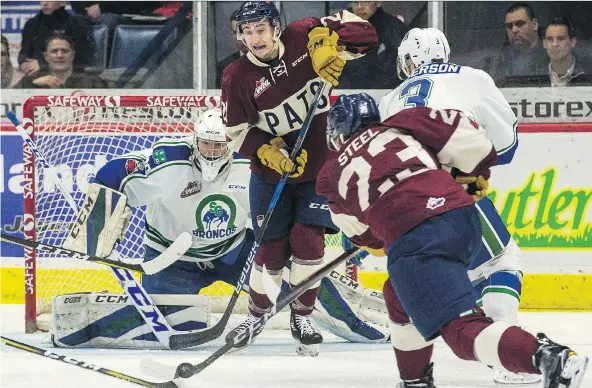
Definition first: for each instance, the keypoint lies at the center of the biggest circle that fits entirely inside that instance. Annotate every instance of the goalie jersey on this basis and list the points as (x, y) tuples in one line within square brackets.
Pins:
[(165, 179), (451, 86)]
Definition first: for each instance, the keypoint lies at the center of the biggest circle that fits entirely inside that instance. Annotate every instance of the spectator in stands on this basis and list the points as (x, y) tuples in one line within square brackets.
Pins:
[(241, 50), (523, 54), (378, 68), (53, 19), (59, 55), (110, 13), (10, 76), (565, 67)]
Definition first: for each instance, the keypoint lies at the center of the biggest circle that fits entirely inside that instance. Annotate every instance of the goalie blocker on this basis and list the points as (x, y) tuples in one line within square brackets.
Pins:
[(344, 308)]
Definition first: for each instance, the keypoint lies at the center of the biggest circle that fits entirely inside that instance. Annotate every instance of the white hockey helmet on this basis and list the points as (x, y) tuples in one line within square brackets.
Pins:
[(419, 47), (211, 154)]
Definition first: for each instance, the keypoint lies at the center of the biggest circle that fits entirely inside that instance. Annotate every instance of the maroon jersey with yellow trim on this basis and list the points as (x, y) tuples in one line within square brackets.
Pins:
[(261, 101), (394, 175)]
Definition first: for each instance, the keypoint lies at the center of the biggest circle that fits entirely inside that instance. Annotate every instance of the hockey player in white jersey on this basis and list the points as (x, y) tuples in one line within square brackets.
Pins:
[(431, 80), (191, 184)]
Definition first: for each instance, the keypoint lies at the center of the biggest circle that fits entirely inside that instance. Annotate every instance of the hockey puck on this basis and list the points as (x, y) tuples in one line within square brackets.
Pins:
[(185, 370)]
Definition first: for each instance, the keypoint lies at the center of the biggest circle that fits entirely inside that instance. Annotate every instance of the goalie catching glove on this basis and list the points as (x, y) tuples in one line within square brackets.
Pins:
[(101, 222), (275, 156), (477, 186), (323, 50)]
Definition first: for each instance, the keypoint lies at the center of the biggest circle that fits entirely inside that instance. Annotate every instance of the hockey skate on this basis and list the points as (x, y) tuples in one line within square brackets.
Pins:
[(427, 381), (243, 327), (504, 377), (306, 336), (560, 366)]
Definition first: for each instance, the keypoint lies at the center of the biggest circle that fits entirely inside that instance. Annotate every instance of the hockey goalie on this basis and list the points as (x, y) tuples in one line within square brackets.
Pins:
[(194, 185)]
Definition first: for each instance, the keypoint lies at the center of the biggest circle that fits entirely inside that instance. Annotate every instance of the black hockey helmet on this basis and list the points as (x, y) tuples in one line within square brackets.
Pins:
[(252, 11), (348, 115)]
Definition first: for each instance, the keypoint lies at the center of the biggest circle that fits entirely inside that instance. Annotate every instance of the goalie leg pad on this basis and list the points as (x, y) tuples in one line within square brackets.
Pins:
[(101, 222), (112, 321), (348, 310)]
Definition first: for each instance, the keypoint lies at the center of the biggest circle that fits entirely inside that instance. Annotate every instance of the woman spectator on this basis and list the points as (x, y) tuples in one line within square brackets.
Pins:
[(59, 55)]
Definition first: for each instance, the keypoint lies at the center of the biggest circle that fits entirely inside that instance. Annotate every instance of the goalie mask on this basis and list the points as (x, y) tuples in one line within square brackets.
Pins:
[(421, 46), (211, 154)]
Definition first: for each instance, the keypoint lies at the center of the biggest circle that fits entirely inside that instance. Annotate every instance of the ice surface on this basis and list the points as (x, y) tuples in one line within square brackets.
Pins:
[(270, 362)]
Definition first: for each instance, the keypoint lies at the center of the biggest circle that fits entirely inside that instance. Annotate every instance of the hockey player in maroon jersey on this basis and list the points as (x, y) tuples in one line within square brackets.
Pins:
[(390, 189), (266, 95)]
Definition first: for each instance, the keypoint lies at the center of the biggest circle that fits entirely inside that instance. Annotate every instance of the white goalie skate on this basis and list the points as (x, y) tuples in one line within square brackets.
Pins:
[(306, 336), (504, 377)]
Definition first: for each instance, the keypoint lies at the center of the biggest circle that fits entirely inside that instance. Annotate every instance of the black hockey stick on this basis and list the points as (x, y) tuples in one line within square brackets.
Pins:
[(166, 258), (187, 370), (180, 341), (83, 364)]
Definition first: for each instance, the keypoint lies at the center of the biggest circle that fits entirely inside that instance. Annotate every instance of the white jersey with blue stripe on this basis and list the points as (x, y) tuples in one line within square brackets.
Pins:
[(451, 86), (165, 179)]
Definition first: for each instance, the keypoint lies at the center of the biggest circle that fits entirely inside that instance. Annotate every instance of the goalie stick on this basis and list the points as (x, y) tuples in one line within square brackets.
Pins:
[(162, 261), (180, 341), (187, 370)]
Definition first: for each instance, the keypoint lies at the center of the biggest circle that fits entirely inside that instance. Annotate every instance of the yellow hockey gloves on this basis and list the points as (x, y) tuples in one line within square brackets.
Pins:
[(323, 53), (275, 156), (375, 252), (477, 186)]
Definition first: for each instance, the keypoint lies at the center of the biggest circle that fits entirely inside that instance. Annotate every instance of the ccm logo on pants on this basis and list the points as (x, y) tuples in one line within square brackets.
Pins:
[(314, 205)]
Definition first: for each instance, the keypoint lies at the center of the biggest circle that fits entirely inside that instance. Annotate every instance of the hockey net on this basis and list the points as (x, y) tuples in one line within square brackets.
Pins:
[(77, 135)]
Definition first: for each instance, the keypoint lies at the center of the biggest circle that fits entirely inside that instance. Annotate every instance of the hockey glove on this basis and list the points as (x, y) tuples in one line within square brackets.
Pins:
[(275, 156), (323, 53), (475, 185), (376, 252)]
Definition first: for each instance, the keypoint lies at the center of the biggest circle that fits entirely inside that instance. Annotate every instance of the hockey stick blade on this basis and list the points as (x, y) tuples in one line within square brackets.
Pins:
[(162, 261), (269, 285), (181, 341), (287, 296)]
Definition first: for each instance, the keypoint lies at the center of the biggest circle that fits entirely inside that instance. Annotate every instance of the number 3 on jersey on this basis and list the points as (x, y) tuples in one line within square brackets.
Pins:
[(417, 92)]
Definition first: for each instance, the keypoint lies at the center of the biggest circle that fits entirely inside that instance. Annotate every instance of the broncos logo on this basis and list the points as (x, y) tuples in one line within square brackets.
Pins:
[(216, 213)]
